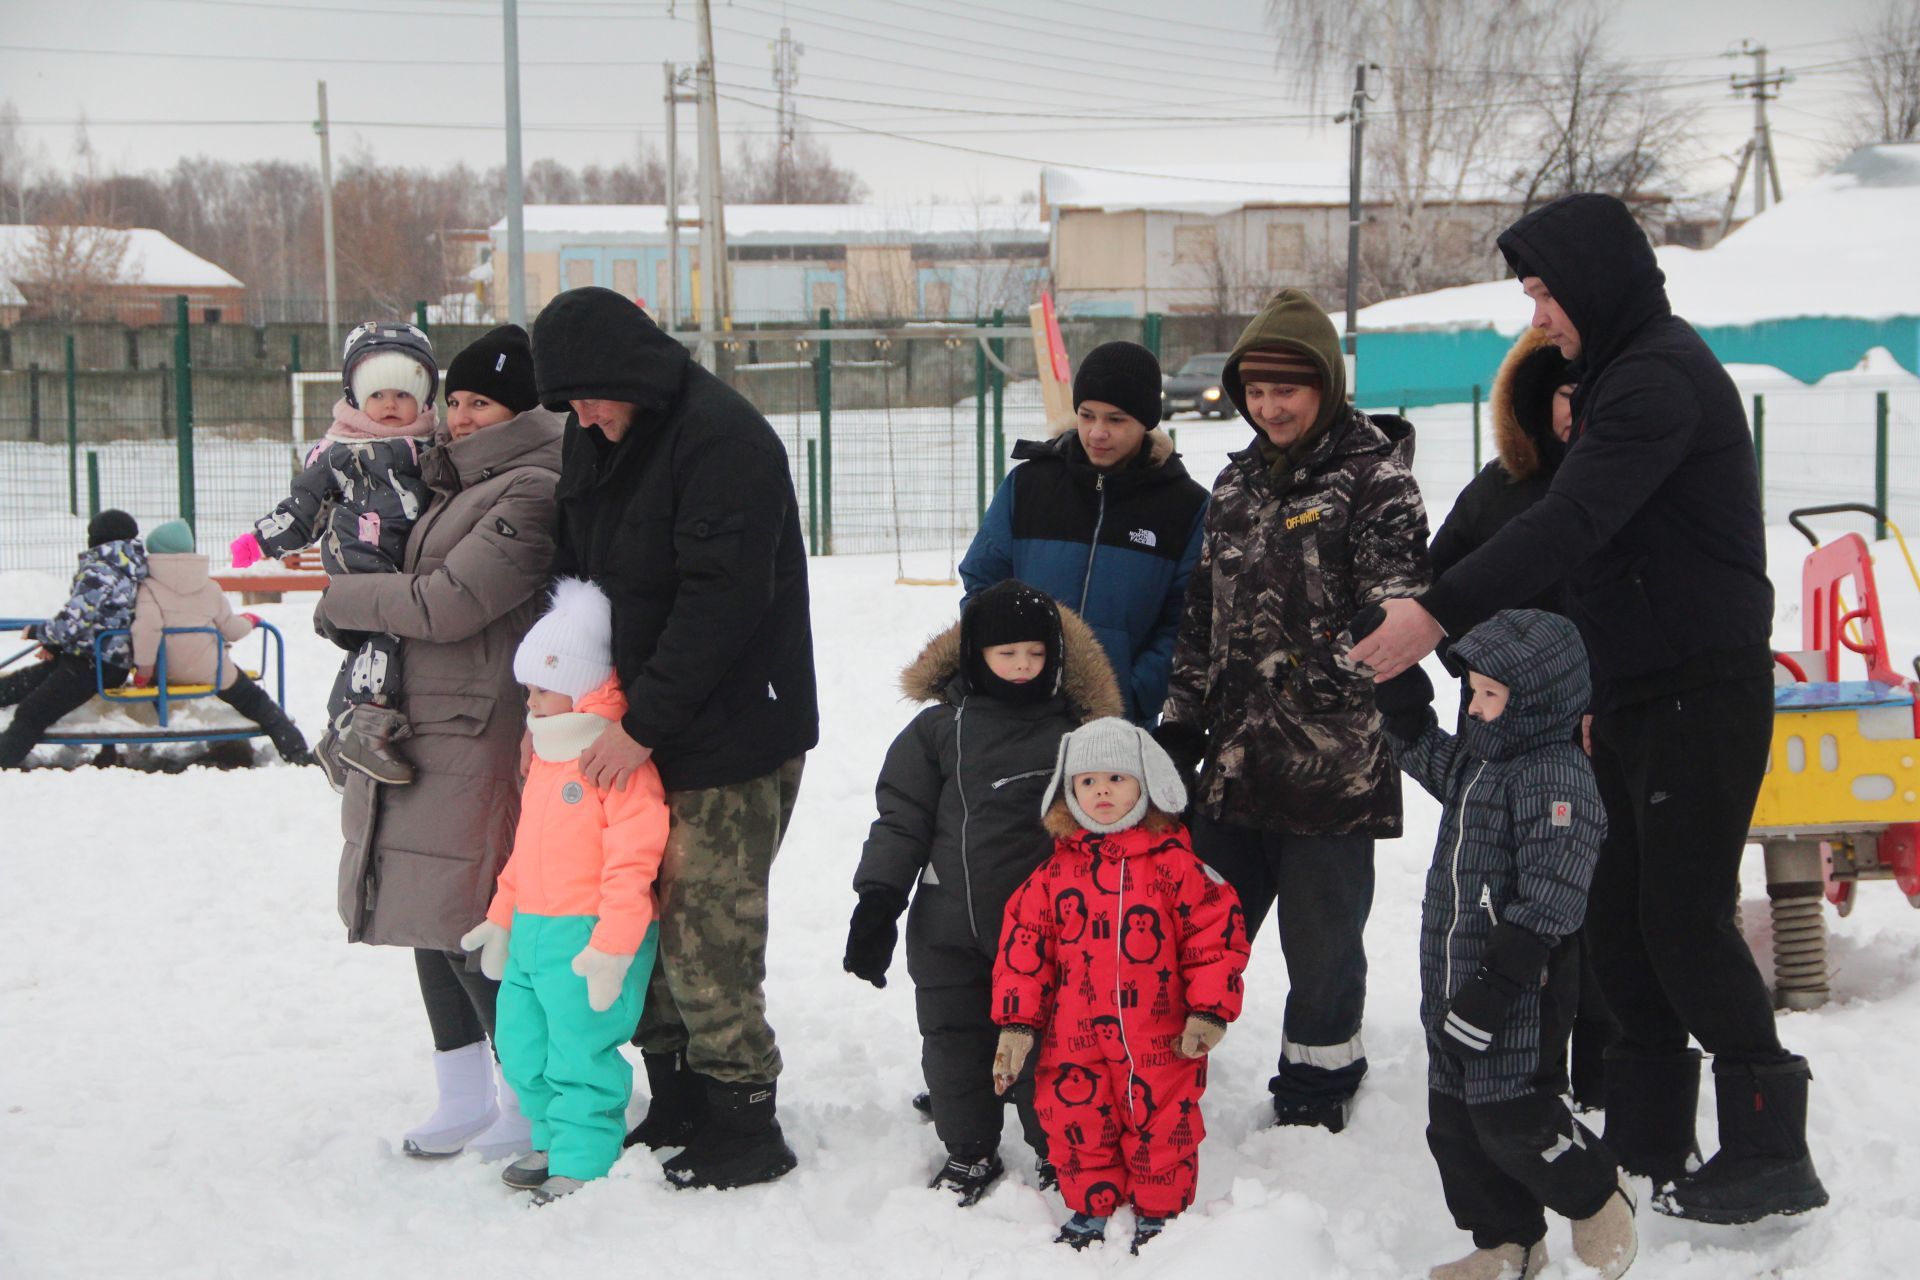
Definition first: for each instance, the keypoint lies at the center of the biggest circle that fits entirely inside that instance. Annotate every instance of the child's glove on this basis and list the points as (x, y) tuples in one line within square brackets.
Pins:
[(1010, 1055), (247, 551), (1515, 959), (1203, 1032), (142, 677), (872, 933), (1405, 703), (490, 940), (605, 974), (254, 618)]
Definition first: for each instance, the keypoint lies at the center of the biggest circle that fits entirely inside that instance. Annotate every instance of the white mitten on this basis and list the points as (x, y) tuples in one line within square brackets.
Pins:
[(605, 975), (490, 940)]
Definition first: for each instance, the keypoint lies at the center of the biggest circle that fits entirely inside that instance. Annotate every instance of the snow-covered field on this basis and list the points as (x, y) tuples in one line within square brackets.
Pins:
[(198, 1077)]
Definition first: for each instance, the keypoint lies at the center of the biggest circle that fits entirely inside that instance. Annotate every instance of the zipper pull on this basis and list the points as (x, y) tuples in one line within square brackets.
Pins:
[(1486, 901)]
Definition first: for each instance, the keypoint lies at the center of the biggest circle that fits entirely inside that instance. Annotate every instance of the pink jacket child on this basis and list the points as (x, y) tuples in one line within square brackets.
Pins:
[(570, 932)]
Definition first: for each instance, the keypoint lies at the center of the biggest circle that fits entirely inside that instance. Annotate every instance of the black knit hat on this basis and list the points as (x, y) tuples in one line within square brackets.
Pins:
[(1123, 374), (111, 525), (499, 366), (1535, 379), (1006, 613)]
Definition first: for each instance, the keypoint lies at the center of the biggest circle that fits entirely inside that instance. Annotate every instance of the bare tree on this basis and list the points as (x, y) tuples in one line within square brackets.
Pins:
[(1604, 128), (755, 175), (1457, 75), (1886, 84)]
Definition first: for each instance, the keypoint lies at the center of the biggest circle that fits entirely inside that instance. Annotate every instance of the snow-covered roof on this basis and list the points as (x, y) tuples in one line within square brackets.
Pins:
[(151, 259), (1216, 188), (1843, 246), (811, 221)]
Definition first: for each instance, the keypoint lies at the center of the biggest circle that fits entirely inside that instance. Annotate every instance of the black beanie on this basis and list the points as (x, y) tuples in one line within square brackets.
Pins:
[(1006, 613), (1123, 374), (500, 367), (1535, 379), (111, 525)]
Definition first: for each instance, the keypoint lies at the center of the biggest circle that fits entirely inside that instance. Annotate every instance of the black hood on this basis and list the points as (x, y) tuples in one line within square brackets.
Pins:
[(594, 344), (1540, 658), (1599, 266)]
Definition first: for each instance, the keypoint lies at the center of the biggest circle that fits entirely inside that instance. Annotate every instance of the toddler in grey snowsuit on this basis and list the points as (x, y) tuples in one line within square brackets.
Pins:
[(358, 497), (1499, 959), (104, 587)]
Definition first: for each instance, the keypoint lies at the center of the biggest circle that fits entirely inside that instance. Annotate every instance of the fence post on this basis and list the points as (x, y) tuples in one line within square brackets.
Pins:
[(183, 405), (1760, 447), (93, 484), (1880, 465), (1150, 333), (1476, 428), (824, 393), (999, 403), (293, 352), (980, 424), (420, 318), (33, 401), (813, 497), (73, 434)]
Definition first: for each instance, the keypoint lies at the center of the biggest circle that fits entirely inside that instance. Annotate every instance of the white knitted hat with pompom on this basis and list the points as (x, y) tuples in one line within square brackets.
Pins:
[(570, 649)]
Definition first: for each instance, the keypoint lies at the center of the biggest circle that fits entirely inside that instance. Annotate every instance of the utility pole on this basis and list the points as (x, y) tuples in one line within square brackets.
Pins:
[(326, 224), (1356, 117), (714, 308), (786, 74), (516, 196), (670, 310), (1758, 153)]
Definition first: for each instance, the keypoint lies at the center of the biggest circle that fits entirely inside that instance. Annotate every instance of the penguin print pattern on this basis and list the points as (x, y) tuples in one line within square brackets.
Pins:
[(1107, 948)]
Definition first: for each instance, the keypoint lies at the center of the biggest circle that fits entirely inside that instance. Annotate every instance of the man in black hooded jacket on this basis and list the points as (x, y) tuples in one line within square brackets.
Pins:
[(1654, 523), (676, 499)]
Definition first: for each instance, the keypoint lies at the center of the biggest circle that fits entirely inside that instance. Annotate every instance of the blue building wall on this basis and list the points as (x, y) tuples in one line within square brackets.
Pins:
[(1429, 367)]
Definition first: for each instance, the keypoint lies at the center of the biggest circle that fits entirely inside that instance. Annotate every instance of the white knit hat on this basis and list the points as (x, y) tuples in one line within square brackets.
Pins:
[(570, 649), (1112, 745), (391, 371)]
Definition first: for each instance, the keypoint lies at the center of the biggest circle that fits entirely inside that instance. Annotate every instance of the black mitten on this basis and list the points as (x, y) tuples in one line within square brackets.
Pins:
[(1514, 960), (1406, 703), (872, 934)]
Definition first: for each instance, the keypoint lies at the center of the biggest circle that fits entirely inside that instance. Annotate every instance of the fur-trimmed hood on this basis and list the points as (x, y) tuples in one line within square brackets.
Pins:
[(1088, 683), (1520, 449), (1159, 443), (1062, 825)]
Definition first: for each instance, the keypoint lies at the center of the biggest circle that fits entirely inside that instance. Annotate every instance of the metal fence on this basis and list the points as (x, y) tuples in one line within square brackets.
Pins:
[(896, 434)]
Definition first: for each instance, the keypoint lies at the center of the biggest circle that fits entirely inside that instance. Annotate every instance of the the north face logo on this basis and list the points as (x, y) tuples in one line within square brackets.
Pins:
[(1143, 538)]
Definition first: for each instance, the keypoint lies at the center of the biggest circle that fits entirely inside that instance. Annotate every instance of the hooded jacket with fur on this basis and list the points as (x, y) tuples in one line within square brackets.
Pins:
[(959, 794), (1117, 547), (1654, 520), (690, 526)]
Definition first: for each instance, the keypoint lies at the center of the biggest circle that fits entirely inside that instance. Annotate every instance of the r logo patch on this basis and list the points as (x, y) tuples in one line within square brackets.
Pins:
[(1560, 813)]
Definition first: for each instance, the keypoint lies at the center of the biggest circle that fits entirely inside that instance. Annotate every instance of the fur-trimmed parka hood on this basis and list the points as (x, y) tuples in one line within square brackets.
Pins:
[(1062, 825), (1523, 452), (1088, 683)]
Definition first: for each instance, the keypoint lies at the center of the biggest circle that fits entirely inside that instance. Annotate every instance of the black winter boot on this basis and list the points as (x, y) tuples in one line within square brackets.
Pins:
[(740, 1144), (676, 1103), (1763, 1166), (970, 1171), (1651, 1101)]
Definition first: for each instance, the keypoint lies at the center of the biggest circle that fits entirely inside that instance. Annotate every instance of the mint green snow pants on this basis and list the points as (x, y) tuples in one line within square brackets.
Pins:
[(562, 1058)]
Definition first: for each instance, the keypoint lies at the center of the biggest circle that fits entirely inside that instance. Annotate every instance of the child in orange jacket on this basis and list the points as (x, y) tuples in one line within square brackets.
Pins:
[(571, 931)]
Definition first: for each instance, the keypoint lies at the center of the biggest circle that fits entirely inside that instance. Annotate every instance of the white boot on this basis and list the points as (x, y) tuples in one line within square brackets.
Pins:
[(510, 1134), (466, 1105)]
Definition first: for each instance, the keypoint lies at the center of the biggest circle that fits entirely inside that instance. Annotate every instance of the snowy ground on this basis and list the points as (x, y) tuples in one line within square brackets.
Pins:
[(199, 1078)]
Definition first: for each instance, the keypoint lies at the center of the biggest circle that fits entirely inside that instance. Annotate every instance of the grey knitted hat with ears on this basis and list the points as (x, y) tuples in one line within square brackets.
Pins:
[(1112, 745)]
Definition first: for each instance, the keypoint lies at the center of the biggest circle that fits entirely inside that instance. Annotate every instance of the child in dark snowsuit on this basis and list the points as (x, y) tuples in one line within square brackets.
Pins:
[(358, 498), (104, 588), (959, 800), (1499, 962), (1123, 955)]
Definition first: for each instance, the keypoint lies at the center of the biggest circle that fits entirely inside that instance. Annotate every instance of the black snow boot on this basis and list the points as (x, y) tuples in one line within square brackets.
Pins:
[(1651, 1101), (1762, 1167), (970, 1172), (251, 701), (676, 1103), (923, 1105), (739, 1145)]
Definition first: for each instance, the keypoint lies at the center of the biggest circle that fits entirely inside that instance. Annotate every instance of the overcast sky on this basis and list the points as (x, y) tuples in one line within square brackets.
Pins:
[(419, 81)]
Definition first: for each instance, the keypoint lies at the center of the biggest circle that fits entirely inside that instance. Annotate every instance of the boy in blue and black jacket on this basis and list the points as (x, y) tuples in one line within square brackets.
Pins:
[(1499, 959), (104, 589)]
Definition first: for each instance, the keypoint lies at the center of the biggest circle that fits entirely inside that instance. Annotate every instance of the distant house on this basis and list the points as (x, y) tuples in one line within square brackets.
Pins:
[(130, 274), (788, 262)]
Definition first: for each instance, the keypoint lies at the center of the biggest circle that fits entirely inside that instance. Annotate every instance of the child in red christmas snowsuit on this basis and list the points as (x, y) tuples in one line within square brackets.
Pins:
[(1122, 954)]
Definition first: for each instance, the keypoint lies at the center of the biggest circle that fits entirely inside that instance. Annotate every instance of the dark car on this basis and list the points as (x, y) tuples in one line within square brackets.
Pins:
[(1196, 388)]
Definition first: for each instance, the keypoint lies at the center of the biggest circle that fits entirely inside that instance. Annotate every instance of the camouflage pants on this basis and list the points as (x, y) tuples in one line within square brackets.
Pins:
[(705, 998)]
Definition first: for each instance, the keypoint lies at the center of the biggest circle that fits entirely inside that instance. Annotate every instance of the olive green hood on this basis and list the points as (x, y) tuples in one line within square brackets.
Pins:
[(1293, 320)]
